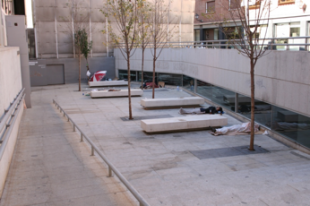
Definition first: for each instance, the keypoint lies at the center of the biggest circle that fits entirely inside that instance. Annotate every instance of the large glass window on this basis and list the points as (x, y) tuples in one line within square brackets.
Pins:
[(288, 30), (210, 7), (170, 79), (188, 83), (123, 75), (262, 110), (147, 77), (292, 125), (221, 96), (234, 4)]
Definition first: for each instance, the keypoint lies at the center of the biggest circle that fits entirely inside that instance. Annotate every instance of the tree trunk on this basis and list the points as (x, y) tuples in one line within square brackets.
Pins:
[(142, 66), (129, 80), (251, 148), (153, 84), (79, 71)]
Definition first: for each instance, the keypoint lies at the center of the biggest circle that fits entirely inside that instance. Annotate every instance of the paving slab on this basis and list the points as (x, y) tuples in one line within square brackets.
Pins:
[(51, 167), (161, 166)]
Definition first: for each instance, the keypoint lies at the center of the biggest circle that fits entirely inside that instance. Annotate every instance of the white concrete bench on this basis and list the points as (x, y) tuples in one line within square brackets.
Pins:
[(121, 93), (108, 83), (183, 123), (171, 102)]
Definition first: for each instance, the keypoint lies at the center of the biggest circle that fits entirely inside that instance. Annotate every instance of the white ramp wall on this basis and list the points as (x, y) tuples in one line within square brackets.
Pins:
[(282, 78), (10, 76), (10, 86)]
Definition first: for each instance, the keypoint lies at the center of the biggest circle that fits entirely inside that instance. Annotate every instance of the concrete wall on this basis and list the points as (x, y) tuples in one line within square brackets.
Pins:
[(10, 76), (2, 28), (16, 36), (39, 67), (6, 158), (10, 85), (53, 27), (282, 78)]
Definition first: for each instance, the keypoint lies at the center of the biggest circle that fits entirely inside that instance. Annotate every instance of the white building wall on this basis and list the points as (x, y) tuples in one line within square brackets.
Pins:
[(282, 78), (10, 85), (289, 13), (10, 76)]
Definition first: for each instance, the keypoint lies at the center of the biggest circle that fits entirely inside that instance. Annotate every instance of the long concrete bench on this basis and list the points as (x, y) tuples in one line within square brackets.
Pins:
[(171, 102), (183, 123), (108, 83), (120, 93)]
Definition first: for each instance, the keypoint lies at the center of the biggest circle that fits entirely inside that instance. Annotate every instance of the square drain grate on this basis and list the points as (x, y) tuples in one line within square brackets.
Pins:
[(228, 152)]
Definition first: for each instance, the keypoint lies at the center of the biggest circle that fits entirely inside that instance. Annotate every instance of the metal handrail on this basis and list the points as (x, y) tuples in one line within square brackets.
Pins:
[(7, 110), (10, 118), (270, 43), (111, 167), (10, 110)]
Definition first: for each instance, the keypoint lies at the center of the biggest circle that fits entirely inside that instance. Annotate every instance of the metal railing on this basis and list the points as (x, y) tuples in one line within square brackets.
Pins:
[(281, 43), (111, 167), (7, 120), (8, 7)]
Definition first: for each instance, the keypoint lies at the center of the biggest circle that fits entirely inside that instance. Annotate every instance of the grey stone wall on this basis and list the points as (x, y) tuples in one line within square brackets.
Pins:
[(39, 69), (53, 26)]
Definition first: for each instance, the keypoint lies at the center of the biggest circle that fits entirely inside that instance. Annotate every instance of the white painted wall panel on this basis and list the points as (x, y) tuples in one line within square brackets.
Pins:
[(281, 77)]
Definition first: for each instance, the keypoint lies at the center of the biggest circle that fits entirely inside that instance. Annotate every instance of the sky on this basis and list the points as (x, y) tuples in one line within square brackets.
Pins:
[(29, 14)]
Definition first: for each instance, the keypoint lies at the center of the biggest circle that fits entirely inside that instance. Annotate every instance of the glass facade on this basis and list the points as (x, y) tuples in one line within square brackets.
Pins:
[(147, 77), (287, 123), (188, 83), (123, 75), (292, 125), (170, 79), (221, 96), (262, 110)]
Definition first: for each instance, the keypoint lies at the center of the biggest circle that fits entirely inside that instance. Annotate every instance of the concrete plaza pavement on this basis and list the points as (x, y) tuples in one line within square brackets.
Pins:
[(163, 167), (51, 167)]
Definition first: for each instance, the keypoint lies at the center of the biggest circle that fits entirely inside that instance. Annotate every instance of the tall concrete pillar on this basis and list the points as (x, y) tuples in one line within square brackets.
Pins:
[(16, 36)]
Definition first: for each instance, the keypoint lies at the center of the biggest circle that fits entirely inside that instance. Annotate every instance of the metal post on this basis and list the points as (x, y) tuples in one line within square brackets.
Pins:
[(92, 151), (81, 137), (110, 171), (195, 85), (287, 47), (236, 102)]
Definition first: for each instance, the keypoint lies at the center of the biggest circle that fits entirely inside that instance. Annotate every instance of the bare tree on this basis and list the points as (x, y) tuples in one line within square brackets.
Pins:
[(159, 31), (144, 31), (76, 22), (123, 15), (251, 15)]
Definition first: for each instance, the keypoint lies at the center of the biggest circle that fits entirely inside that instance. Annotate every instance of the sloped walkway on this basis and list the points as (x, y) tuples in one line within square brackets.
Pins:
[(51, 167)]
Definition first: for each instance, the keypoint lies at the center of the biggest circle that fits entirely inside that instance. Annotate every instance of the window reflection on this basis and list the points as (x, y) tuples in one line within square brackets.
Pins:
[(188, 82), (147, 77), (216, 94), (292, 125), (262, 110), (123, 75)]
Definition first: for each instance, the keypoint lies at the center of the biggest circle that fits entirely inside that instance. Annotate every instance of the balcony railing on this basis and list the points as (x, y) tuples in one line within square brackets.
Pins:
[(8, 7), (282, 43)]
